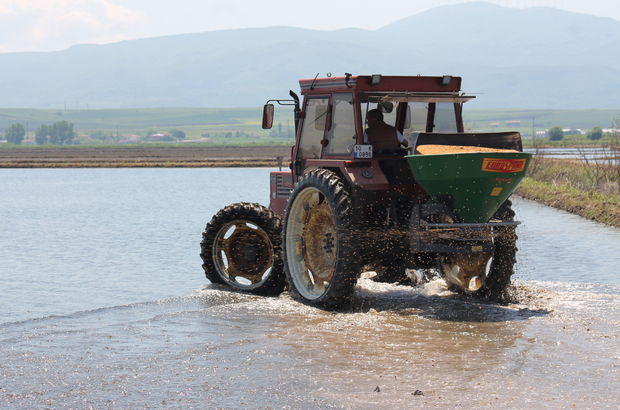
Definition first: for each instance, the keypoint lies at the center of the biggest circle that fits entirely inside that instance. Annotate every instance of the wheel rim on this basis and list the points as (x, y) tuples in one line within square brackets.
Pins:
[(467, 271), (243, 254), (311, 240)]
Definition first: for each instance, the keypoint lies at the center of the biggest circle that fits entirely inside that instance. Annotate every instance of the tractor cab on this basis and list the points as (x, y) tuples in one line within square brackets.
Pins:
[(332, 126), (332, 120)]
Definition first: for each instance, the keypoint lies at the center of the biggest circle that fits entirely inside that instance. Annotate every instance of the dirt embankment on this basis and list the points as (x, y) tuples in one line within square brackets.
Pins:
[(591, 190), (114, 157)]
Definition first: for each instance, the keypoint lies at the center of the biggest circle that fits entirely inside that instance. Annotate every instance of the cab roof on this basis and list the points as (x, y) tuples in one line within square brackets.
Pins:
[(378, 83)]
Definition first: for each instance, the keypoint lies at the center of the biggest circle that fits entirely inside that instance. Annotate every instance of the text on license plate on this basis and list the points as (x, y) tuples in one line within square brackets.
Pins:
[(362, 151)]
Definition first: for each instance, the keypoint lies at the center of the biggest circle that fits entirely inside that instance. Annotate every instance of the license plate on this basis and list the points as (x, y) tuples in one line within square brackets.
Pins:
[(362, 151)]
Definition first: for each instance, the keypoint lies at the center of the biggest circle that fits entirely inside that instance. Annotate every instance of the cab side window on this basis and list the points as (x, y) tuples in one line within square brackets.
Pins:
[(313, 128), (445, 118), (341, 135), (415, 119)]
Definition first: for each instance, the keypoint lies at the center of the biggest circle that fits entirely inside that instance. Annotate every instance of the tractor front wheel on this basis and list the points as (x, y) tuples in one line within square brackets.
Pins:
[(319, 247), (241, 248)]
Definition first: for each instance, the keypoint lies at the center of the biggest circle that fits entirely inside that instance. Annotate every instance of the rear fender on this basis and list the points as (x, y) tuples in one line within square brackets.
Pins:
[(280, 184), (366, 175)]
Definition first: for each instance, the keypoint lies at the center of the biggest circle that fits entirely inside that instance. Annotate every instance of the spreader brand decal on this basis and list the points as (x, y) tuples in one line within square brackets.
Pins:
[(503, 165)]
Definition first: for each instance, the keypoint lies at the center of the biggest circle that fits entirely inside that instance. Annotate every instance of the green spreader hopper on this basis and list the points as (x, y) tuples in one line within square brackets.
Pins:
[(477, 182)]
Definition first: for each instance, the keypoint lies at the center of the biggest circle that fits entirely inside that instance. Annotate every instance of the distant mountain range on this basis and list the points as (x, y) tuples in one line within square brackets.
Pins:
[(510, 58)]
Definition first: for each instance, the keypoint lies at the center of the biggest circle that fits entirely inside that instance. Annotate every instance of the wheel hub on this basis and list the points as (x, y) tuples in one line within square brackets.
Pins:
[(248, 253), (467, 271), (319, 243)]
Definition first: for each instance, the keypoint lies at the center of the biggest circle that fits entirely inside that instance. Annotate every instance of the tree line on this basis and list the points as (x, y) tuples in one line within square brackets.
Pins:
[(58, 133), (556, 133)]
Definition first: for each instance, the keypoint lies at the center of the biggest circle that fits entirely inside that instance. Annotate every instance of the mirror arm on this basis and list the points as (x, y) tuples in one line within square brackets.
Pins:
[(283, 102)]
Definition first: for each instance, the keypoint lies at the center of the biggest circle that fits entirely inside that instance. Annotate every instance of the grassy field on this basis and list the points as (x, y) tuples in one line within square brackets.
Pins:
[(589, 189), (243, 125), (138, 118), (219, 123), (540, 120)]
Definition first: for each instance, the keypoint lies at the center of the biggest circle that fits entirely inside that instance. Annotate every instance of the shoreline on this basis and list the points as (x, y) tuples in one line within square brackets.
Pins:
[(143, 157), (588, 189), (590, 206), (144, 164)]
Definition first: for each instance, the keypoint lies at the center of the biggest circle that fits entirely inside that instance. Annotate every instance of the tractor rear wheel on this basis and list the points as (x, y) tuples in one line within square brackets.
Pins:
[(496, 272), (504, 258), (241, 248), (319, 248)]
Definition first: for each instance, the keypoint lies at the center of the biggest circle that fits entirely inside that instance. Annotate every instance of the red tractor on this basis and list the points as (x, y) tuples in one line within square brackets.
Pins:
[(411, 190)]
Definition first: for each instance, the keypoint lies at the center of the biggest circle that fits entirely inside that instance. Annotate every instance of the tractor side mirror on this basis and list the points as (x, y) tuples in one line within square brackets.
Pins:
[(385, 106), (268, 116)]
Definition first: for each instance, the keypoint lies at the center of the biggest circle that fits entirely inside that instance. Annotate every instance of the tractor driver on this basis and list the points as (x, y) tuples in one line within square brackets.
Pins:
[(381, 136)]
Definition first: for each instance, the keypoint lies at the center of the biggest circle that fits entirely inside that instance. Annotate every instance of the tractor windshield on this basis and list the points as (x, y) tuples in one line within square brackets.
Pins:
[(416, 112)]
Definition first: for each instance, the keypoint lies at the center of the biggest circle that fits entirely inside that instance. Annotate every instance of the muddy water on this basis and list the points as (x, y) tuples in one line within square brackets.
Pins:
[(556, 348), (200, 345)]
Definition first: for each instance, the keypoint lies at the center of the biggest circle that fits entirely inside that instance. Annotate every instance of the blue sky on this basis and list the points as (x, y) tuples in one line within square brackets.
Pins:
[(44, 25)]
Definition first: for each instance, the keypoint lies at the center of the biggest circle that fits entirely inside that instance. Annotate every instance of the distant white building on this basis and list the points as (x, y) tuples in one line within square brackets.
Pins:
[(572, 131)]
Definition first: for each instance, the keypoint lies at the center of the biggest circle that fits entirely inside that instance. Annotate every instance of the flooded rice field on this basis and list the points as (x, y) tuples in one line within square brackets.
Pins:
[(602, 155), (104, 305)]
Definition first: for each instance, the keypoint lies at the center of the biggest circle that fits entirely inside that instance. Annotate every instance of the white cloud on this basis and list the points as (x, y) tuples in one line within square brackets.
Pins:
[(41, 25)]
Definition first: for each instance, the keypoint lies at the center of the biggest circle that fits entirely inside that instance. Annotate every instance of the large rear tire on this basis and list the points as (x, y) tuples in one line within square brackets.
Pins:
[(504, 258), (499, 269), (319, 247), (241, 248)]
